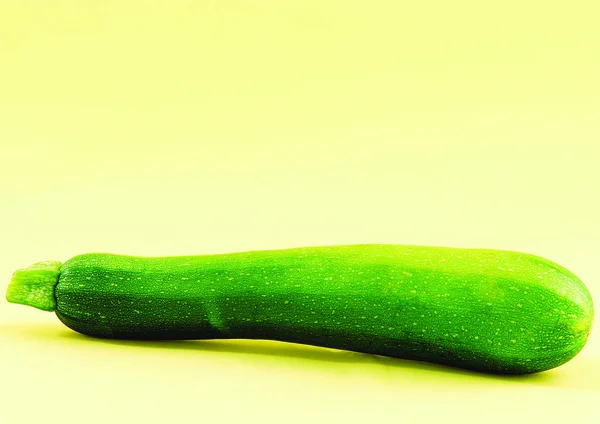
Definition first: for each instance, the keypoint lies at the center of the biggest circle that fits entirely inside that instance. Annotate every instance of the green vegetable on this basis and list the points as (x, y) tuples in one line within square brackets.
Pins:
[(487, 310)]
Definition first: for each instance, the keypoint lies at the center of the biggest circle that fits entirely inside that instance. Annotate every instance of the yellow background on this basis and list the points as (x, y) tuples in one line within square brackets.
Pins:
[(188, 127)]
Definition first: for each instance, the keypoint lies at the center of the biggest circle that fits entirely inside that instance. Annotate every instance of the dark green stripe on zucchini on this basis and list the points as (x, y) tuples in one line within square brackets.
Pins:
[(485, 310)]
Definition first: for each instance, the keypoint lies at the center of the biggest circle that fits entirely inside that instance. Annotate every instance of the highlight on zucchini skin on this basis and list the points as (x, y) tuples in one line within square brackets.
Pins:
[(485, 310)]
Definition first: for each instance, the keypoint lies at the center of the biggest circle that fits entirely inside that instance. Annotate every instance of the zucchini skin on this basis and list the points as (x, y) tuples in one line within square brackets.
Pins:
[(484, 310)]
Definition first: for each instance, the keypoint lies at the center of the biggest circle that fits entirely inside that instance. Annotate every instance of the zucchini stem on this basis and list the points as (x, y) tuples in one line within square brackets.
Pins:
[(34, 285)]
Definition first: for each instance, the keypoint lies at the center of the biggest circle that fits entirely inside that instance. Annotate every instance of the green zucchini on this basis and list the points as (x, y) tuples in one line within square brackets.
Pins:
[(485, 310)]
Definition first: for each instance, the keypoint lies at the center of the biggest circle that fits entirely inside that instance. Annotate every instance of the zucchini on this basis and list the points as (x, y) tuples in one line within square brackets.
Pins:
[(485, 310)]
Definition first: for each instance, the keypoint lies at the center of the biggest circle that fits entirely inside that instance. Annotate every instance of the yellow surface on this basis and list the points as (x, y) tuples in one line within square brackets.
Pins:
[(184, 127)]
